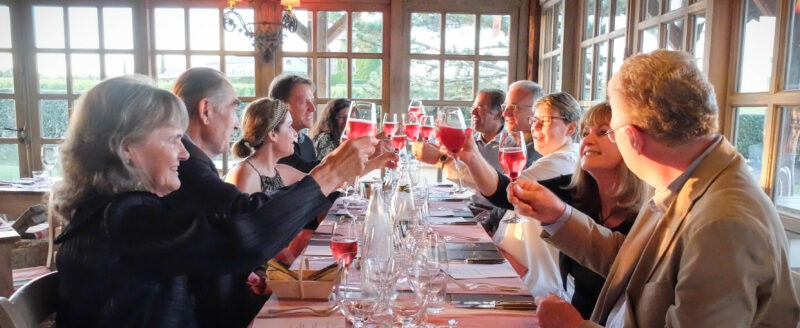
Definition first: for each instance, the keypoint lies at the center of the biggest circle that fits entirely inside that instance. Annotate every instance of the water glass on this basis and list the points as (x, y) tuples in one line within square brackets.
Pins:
[(356, 302)]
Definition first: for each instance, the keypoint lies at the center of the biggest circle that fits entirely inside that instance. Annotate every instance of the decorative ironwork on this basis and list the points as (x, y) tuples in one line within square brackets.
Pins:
[(268, 41)]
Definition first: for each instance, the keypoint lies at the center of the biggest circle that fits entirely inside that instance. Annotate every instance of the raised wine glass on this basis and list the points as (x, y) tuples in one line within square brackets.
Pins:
[(415, 109), (452, 135), (512, 156), (426, 130), (389, 124), (361, 121)]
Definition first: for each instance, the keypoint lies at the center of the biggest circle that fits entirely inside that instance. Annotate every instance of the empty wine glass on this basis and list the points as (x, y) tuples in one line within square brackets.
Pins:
[(452, 134), (357, 302), (512, 156), (49, 157)]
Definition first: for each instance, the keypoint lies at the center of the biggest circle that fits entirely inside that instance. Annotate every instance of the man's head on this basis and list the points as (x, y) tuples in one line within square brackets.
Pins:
[(487, 117), (211, 103), (518, 107), (298, 93), (662, 96)]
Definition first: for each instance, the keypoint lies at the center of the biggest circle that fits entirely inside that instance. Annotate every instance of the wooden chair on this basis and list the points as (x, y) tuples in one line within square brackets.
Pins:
[(31, 304)]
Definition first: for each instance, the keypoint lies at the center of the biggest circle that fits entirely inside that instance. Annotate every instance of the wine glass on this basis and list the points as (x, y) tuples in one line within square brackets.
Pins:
[(361, 121), (512, 156), (411, 127), (452, 134), (415, 109), (357, 302), (344, 240), (426, 130), (49, 157), (389, 124)]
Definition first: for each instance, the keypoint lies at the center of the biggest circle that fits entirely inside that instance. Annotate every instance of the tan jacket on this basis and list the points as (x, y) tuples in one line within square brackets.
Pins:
[(717, 258)]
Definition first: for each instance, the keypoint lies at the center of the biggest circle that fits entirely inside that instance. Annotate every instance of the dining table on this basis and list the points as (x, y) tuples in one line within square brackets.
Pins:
[(476, 291)]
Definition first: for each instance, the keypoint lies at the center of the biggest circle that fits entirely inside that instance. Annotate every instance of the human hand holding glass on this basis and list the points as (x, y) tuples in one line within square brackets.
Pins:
[(512, 157), (361, 121)]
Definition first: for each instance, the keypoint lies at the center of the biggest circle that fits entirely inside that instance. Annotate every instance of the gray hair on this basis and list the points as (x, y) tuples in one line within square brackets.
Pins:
[(200, 83), (118, 111), (533, 89)]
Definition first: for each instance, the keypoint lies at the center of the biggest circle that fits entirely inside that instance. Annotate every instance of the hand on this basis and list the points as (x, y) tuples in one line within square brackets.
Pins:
[(555, 312), (344, 163), (425, 152), (531, 199), (384, 146), (388, 159)]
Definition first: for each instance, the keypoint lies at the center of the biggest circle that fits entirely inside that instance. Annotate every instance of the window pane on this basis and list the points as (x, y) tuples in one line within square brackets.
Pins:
[(169, 68), (6, 73), (117, 65), (459, 34), (241, 71), (204, 28), (52, 70), (620, 14), (458, 78), (547, 30), (5, 27), (749, 136), (85, 71), (617, 54), (755, 67), (9, 162), (300, 40), (237, 40), (48, 26), (331, 78), (424, 79), (171, 29), (425, 33), (555, 75), (296, 66), (495, 35), (53, 117), (83, 32), (602, 67), (118, 28), (368, 32), (675, 4), (8, 118), (493, 74), (558, 28), (588, 19), (605, 13), (237, 133), (675, 35), (212, 62), (792, 79), (787, 184), (794, 250), (367, 81), (699, 38), (586, 77), (546, 71), (649, 39), (651, 9), (332, 31)]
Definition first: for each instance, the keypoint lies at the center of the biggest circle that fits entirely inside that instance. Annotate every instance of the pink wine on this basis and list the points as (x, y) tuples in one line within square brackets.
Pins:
[(398, 142), (452, 138), (359, 128), (426, 132), (389, 128), (344, 246), (415, 112), (412, 131), (512, 159)]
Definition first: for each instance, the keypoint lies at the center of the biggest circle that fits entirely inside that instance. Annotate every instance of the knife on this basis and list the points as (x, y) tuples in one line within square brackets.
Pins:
[(499, 305), (479, 261)]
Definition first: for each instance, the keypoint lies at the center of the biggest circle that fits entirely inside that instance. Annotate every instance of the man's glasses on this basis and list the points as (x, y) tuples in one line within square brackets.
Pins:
[(513, 107), (611, 133), (546, 120)]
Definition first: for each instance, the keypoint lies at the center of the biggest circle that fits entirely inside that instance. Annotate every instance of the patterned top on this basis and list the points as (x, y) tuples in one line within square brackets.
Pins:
[(268, 183), (324, 144)]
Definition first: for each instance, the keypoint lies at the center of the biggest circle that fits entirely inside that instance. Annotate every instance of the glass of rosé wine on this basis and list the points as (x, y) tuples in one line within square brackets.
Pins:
[(513, 156)]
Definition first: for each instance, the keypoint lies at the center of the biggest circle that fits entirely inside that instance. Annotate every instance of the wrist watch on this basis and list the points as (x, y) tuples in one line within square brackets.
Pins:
[(442, 160)]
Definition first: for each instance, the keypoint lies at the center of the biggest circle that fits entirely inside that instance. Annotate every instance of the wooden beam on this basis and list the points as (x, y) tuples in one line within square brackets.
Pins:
[(534, 36)]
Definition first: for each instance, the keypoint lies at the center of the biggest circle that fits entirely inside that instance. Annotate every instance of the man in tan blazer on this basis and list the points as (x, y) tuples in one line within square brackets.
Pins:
[(708, 250)]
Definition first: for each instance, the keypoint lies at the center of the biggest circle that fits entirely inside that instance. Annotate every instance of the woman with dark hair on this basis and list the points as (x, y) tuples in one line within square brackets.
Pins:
[(329, 127)]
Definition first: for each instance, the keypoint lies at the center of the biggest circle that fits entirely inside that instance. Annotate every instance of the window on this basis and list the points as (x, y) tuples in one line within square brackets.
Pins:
[(552, 47), (10, 146), (602, 46), (74, 48), (672, 25), (204, 44), (342, 51)]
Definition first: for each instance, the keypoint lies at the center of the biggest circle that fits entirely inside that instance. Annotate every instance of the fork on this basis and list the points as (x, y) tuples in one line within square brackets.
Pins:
[(464, 238), (314, 312)]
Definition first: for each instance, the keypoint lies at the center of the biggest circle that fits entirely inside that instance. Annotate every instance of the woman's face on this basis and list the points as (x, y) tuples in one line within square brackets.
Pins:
[(550, 132), (283, 138), (341, 118), (597, 151), (157, 159)]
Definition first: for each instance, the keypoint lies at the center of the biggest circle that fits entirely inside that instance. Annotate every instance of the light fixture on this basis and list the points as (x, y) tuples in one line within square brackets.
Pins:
[(267, 38)]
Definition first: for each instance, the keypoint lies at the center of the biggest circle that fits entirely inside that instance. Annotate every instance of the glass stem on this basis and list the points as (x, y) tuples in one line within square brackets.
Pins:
[(458, 173)]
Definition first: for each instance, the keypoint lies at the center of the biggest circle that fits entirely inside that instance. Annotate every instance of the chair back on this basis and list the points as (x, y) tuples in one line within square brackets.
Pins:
[(31, 304)]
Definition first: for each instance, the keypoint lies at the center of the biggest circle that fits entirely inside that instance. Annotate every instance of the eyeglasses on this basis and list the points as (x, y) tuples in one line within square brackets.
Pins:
[(514, 107), (611, 133), (546, 120)]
